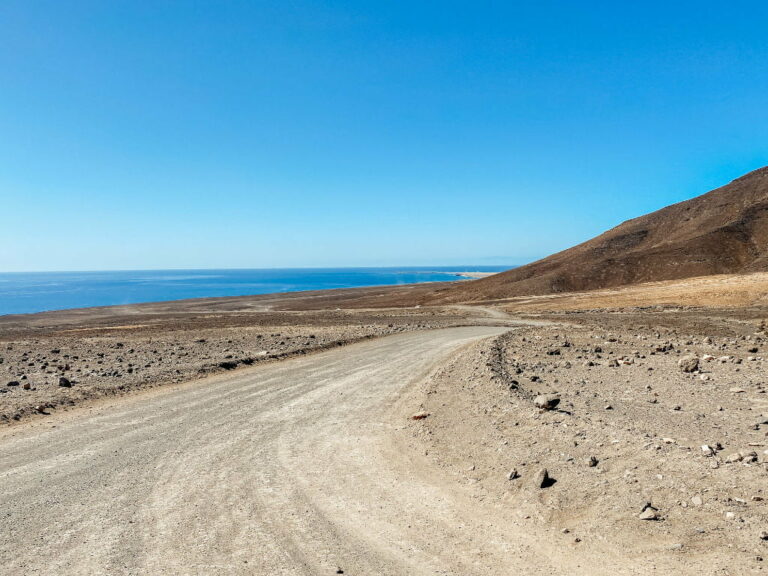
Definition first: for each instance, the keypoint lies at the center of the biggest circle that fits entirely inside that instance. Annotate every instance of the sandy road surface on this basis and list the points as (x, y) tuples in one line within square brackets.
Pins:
[(283, 469)]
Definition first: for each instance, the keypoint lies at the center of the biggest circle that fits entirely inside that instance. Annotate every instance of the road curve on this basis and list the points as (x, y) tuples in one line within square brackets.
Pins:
[(279, 469)]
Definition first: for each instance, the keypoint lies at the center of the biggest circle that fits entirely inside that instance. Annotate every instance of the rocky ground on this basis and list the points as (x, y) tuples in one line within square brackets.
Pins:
[(70, 357), (612, 428), (653, 435)]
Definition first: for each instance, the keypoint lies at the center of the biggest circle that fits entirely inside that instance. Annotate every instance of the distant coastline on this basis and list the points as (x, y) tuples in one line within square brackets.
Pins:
[(30, 292)]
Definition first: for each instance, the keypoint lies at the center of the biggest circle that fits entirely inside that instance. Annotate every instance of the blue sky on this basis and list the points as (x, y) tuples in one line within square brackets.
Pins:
[(297, 133)]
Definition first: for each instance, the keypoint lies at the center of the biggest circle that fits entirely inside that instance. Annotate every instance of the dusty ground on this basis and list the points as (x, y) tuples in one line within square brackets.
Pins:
[(628, 431), (280, 469), (57, 360), (318, 461), (729, 291)]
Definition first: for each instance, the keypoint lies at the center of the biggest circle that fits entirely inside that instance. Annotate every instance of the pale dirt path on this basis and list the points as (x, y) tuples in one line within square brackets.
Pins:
[(283, 469), (497, 314)]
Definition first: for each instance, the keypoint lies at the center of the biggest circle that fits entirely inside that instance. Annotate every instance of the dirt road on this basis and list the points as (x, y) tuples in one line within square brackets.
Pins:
[(283, 469)]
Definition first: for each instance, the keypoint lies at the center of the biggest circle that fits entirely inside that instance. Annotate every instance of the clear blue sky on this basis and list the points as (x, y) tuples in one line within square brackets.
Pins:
[(297, 133)]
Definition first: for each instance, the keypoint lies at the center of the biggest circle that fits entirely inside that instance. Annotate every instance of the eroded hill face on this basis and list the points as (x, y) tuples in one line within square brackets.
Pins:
[(724, 231)]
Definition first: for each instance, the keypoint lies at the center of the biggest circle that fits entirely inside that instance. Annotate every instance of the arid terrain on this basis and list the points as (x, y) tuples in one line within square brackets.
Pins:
[(57, 360), (722, 232), (507, 424), (417, 446), (658, 465)]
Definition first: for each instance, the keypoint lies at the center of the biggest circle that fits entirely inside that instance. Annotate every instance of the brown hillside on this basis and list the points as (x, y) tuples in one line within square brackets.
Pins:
[(724, 231)]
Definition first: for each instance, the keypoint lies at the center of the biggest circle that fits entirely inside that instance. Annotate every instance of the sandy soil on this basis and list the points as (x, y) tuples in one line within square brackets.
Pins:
[(57, 360), (286, 468), (628, 431), (312, 464), (748, 291)]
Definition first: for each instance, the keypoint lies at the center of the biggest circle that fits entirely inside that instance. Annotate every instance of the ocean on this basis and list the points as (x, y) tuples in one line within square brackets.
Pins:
[(28, 292)]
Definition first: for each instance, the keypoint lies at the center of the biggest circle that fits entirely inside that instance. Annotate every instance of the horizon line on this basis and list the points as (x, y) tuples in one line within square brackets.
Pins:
[(458, 267)]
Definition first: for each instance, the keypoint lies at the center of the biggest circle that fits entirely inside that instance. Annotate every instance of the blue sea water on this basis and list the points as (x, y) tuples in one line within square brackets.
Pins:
[(27, 292)]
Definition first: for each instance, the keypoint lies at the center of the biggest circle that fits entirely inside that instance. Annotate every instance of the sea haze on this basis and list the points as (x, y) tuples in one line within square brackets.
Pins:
[(27, 292)]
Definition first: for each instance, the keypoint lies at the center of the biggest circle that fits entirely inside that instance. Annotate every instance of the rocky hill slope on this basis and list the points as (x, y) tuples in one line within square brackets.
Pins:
[(723, 231)]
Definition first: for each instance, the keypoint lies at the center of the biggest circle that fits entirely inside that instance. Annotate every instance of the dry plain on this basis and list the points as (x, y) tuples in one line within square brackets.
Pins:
[(273, 452)]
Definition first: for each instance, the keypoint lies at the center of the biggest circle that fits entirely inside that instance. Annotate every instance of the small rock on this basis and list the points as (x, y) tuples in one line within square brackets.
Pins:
[(513, 474), (592, 462), (650, 513), (749, 456), (420, 415), (542, 479), (548, 402), (697, 501), (688, 363), (64, 382)]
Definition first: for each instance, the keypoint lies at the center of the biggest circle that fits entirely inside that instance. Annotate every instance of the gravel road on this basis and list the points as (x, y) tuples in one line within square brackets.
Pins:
[(279, 469)]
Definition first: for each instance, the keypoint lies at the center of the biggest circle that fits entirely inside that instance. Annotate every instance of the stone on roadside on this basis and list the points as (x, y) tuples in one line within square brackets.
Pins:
[(749, 456), (542, 479), (697, 501), (688, 363), (649, 513), (546, 402)]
